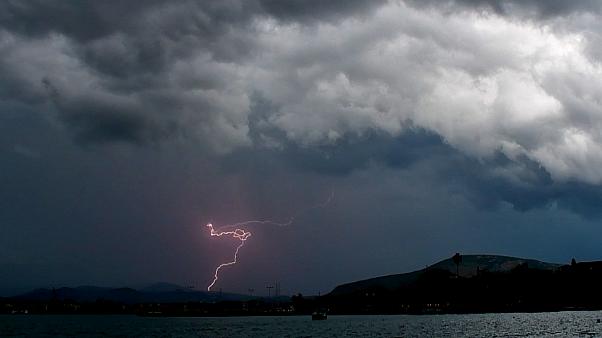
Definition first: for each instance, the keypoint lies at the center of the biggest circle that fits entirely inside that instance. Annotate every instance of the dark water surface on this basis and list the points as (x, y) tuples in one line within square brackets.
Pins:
[(559, 324)]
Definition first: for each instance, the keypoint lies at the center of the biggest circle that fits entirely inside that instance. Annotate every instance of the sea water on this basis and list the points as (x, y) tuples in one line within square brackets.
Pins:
[(561, 324)]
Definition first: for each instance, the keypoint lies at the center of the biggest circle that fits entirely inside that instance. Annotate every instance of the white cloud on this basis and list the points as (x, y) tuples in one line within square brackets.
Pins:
[(484, 82)]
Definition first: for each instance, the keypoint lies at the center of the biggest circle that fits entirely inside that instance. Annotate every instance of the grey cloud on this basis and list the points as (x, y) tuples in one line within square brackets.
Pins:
[(489, 184), (527, 8), (238, 74), (104, 122), (316, 10), (348, 155), (520, 183), (90, 20)]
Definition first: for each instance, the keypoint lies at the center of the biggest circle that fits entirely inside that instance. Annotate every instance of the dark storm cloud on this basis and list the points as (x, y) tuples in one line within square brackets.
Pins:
[(347, 156), (102, 124), (522, 184), (330, 86), (132, 51), (316, 10), (536, 8), (83, 20), (487, 184), (89, 20)]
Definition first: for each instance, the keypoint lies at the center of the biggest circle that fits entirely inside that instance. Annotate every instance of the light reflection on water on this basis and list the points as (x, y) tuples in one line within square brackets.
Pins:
[(560, 324)]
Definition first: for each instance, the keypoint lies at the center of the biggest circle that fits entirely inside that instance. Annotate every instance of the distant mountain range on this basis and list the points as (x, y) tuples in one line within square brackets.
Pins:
[(173, 293), (460, 284), (156, 293), (469, 267)]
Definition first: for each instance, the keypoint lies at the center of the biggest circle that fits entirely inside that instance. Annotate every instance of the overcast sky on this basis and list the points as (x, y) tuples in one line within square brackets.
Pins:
[(470, 126)]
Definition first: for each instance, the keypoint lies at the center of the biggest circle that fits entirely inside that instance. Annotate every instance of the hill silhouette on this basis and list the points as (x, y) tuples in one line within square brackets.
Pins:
[(471, 264), (475, 283), (156, 293), (459, 284)]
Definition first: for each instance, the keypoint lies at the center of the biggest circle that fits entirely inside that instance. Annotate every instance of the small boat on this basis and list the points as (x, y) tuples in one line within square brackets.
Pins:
[(318, 315)]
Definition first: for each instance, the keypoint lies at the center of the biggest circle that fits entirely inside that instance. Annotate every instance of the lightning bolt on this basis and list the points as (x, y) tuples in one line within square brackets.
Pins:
[(290, 221), (239, 234), (242, 235)]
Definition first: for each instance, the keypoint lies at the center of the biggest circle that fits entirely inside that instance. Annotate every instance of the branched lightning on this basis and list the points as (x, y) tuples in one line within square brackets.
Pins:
[(239, 234), (242, 235)]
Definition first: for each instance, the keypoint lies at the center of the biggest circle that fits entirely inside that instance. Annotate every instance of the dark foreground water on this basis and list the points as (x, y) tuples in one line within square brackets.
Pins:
[(479, 325)]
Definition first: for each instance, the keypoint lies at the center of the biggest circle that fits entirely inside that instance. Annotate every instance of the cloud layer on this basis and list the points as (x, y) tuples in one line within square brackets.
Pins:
[(517, 78)]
